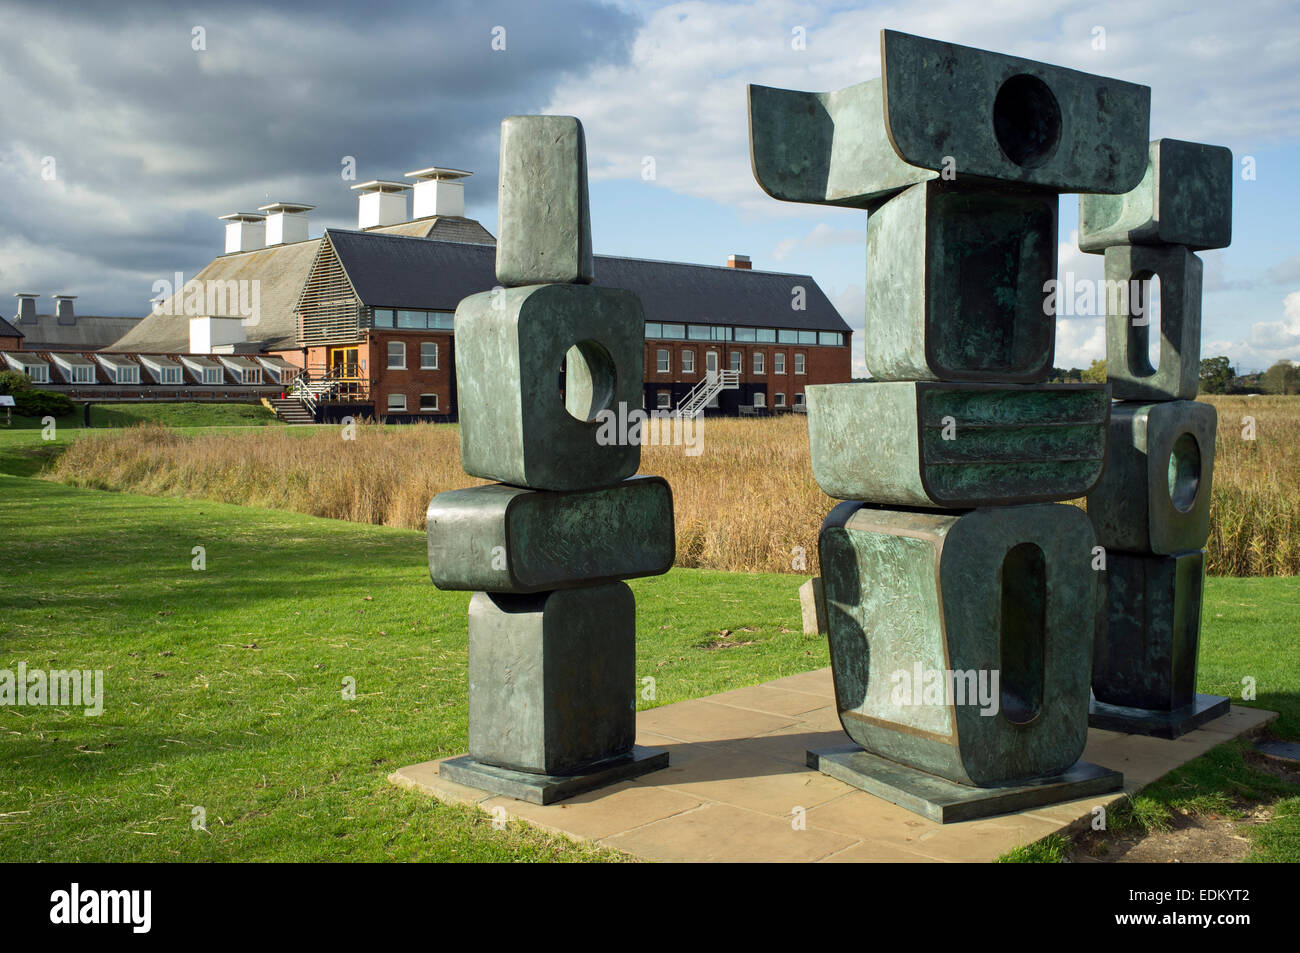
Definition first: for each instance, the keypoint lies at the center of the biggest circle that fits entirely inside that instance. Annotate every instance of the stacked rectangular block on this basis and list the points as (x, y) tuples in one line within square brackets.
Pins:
[(552, 627), (953, 555), (1151, 509)]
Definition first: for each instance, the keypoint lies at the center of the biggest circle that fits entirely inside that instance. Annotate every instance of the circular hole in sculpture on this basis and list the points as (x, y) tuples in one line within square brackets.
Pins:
[(1184, 472), (587, 380), (1026, 120)]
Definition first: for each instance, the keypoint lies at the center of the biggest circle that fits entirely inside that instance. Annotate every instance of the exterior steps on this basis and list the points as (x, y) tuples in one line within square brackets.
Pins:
[(291, 411)]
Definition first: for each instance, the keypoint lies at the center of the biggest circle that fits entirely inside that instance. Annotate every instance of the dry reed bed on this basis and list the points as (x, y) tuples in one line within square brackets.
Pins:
[(747, 503)]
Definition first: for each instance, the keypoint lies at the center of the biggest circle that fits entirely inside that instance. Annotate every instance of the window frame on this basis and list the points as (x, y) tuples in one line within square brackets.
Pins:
[(688, 360), (760, 362), (389, 403), (434, 365), (663, 400), (389, 363), (760, 400), (778, 400), (664, 361), (429, 410), (778, 362), (801, 363)]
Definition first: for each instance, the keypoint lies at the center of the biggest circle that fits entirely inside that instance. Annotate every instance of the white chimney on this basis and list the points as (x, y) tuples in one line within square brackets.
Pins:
[(207, 333), (245, 231), (438, 192), (286, 222), (381, 203), (26, 307), (63, 309)]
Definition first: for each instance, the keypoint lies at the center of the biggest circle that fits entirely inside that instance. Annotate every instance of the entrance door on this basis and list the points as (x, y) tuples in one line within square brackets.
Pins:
[(711, 365), (345, 367)]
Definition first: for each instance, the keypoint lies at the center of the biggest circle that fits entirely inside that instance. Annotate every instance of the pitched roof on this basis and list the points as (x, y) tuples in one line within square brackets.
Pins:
[(7, 330), (447, 227), (390, 271), (88, 332), (280, 271)]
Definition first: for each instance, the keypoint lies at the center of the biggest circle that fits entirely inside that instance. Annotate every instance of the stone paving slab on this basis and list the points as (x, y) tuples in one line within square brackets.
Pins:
[(737, 787)]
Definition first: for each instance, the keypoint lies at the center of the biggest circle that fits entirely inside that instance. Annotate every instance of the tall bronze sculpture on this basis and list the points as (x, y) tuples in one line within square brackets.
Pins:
[(960, 596), (1151, 509), (552, 628)]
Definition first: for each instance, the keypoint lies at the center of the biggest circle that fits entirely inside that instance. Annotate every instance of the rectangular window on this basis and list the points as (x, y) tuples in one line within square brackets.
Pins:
[(787, 337), (83, 374), (830, 338), (39, 373), (127, 375), (429, 403), (688, 362), (442, 320), (665, 400), (675, 332), (383, 317), (664, 365), (169, 375), (250, 375), (397, 357), (766, 336), (758, 362), (807, 337), (798, 400), (778, 363), (721, 333), (800, 364), (700, 332), (412, 319), (736, 361), (744, 334), (780, 401), (428, 355), (212, 375), (654, 329), (760, 399), (397, 402)]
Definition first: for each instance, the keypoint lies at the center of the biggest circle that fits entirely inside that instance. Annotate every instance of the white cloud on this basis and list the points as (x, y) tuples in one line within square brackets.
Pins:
[(821, 236)]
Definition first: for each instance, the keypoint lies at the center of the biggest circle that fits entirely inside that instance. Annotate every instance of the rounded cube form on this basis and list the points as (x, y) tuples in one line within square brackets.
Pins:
[(552, 678), (1149, 633), (955, 282), (1154, 495), (500, 538), (957, 445), (961, 644), (516, 425), (1184, 198), (1129, 323)]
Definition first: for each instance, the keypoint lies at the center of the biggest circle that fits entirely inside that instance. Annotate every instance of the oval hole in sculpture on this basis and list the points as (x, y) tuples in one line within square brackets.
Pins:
[(1184, 472), (1024, 632), (1026, 120), (587, 379)]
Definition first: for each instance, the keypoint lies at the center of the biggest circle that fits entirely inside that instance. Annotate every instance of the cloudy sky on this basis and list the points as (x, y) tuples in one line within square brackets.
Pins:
[(126, 128)]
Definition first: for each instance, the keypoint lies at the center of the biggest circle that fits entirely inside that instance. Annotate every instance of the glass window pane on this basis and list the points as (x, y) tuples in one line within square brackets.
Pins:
[(807, 337), (653, 329), (383, 317), (429, 355), (700, 332), (831, 338), (675, 331), (744, 334), (442, 320), (788, 337), (721, 333), (767, 335)]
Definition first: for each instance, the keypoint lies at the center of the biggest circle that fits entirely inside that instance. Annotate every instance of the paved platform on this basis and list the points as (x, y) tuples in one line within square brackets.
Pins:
[(737, 787)]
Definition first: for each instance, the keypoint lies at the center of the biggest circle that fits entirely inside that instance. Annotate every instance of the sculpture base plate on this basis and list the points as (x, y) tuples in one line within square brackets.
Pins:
[(946, 801), (549, 788), (1158, 724)]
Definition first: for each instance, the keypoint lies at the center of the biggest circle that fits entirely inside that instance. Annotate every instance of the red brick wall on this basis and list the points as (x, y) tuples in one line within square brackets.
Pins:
[(823, 365), (413, 380), (11, 344)]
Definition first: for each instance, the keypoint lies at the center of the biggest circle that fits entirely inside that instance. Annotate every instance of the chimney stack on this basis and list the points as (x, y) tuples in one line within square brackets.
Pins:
[(26, 307), (245, 231), (739, 261), (63, 309), (438, 192), (381, 203), (286, 222)]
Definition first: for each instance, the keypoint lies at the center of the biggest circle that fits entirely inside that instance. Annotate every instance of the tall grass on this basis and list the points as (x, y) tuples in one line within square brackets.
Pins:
[(747, 503)]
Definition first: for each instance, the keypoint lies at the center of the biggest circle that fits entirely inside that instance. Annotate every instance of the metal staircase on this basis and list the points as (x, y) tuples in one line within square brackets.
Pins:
[(714, 383)]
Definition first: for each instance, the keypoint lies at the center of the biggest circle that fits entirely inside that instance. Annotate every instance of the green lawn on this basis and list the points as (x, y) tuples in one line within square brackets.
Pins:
[(184, 414), (223, 686)]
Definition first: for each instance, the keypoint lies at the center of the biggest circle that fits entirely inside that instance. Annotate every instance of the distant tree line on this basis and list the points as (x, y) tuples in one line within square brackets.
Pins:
[(1218, 376)]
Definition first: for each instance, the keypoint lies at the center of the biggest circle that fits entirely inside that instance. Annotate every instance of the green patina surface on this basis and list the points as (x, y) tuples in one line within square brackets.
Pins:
[(502, 538), (510, 348), (1148, 635), (552, 678), (1128, 367), (956, 445), (542, 204), (1132, 506), (965, 592), (1184, 198)]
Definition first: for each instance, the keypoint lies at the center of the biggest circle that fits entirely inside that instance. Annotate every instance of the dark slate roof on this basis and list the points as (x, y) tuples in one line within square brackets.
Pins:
[(391, 271), (7, 330)]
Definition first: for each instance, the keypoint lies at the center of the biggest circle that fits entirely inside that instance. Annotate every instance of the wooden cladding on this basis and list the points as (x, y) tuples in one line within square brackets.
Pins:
[(328, 308)]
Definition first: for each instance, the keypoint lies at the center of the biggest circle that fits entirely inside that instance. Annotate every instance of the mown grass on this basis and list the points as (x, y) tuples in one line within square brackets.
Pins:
[(223, 687), (747, 503)]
